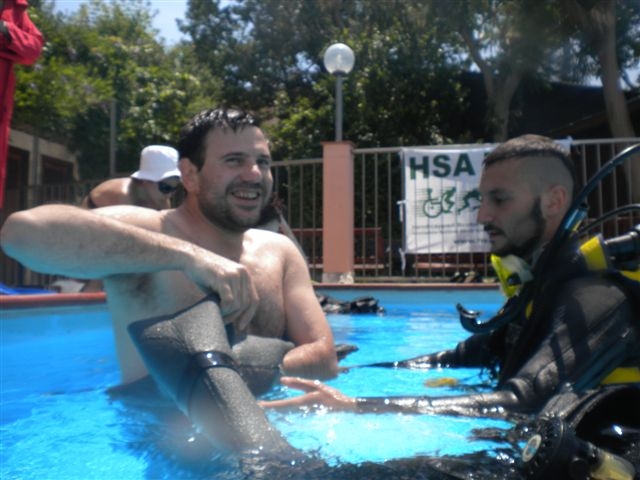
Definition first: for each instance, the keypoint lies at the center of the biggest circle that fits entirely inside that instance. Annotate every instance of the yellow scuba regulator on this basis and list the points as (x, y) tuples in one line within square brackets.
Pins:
[(512, 273), (619, 254)]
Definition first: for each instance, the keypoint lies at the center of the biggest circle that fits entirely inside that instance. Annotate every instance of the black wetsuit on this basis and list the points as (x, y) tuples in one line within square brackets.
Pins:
[(583, 325)]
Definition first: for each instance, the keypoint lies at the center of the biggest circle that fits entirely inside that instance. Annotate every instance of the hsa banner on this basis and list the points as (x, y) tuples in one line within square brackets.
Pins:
[(442, 200)]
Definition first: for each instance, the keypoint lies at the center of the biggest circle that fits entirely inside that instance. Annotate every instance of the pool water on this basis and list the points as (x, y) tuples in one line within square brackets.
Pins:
[(58, 422)]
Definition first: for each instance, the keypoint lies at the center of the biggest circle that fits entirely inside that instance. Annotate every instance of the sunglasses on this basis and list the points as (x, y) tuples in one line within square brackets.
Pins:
[(167, 187)]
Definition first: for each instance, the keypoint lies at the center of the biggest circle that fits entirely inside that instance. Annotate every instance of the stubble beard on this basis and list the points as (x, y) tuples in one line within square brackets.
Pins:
[(526, 250), (219, 213)]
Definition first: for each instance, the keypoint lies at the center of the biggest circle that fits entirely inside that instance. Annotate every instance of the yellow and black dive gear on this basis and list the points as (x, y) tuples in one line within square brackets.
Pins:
[(554, 451)]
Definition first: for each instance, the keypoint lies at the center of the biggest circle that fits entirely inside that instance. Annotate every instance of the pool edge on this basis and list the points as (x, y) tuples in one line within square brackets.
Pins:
[(62, 299), (407, 286), (51, 299)]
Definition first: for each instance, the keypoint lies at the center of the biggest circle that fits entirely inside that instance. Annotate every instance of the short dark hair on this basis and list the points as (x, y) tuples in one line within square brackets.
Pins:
[(526, 146), (191, 141)]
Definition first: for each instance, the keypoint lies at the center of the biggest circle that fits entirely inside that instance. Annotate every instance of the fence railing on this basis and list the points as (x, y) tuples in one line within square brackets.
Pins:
[(378, 189), (378, 229)]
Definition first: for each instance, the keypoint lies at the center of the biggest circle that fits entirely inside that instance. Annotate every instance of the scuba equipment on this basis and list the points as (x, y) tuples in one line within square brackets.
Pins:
[(619, 253), (625, 249), (358, 305), (554, 451), (512, 272), (516, 304)]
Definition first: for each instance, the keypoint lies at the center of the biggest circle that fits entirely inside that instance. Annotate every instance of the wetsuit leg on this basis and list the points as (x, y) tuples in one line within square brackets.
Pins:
[(198, 365), (217, 399), (259, 360)]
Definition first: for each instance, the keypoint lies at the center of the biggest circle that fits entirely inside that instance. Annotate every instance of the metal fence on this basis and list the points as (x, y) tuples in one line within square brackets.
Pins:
[(378, 221), (378, 229)]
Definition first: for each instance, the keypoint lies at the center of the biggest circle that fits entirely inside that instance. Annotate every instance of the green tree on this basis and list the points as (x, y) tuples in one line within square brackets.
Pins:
[(510, 40), (506, 40), (106, 52), (403, 89), (266, 55), (596, 24)]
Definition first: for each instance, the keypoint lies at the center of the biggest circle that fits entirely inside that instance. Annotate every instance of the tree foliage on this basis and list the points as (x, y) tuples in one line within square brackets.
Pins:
[(409, 54), (596, 25), (266, 55), (403, 89), (507, 40), (107, 52)]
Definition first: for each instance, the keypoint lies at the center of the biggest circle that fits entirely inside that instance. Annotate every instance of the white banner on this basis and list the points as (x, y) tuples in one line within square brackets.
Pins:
[(442, 200)]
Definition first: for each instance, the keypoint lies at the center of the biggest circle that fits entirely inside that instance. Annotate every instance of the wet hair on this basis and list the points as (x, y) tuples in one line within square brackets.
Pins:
[(532, 146), (191, 141)]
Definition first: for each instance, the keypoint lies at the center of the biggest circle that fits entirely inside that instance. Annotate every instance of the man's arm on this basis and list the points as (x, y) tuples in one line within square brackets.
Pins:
[(475, 351), (186, 352), (314, 355), (20, 42), (91, 244), (491, 404), (591, 334)]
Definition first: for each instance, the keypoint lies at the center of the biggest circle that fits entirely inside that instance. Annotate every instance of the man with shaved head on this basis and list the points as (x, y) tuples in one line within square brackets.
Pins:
[(567, 325), (527, 187)]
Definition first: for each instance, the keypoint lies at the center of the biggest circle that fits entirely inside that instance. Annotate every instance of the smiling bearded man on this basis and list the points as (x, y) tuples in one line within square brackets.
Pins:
[(157, 265)]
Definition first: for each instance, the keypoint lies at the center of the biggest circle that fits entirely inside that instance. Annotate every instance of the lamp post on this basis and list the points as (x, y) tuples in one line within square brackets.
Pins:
[(339, 60)]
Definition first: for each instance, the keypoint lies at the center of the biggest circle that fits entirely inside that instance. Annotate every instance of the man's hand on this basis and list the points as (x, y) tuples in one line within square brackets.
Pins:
[(231, 281), (317, 393)]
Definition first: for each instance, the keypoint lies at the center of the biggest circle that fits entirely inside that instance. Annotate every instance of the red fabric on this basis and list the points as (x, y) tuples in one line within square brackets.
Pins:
[(23, 46)]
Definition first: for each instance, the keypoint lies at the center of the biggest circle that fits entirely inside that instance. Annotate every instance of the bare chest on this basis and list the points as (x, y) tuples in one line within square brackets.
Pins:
[(270, 318)]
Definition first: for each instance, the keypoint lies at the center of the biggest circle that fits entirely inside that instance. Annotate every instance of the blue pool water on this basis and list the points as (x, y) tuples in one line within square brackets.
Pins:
[(57, 422)]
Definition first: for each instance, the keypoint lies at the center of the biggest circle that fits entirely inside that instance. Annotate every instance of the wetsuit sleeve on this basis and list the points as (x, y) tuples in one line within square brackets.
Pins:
[(475, 351), (491, 404), (591, 334)]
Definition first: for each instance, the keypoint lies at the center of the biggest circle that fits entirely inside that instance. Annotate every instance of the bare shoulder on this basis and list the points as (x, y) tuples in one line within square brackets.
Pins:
[(259, 240), (114, 184), (263, 248), (112, 192)]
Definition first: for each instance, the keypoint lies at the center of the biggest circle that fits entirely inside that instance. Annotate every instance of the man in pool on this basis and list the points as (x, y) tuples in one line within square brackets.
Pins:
[(151, 186), (160, 268), (578, 327)]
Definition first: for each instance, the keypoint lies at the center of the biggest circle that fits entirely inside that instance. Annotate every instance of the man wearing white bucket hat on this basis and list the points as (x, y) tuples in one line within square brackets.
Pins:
[(152, 186)]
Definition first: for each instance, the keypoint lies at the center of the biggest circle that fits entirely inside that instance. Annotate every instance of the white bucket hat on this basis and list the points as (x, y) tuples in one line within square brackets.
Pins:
[(157, 162)]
